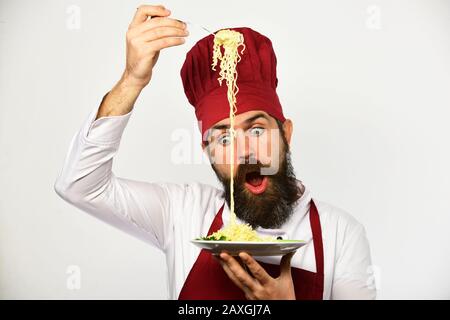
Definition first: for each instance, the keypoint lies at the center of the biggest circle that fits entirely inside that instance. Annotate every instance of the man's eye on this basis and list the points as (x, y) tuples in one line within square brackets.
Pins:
[(257, 131), (224, 139)]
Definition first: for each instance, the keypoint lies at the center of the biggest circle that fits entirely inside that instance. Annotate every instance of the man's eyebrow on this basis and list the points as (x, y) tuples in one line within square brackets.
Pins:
[(247, 121)]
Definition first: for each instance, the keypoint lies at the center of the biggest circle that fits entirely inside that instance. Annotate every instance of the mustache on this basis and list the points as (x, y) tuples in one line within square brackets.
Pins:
[(244, 169)]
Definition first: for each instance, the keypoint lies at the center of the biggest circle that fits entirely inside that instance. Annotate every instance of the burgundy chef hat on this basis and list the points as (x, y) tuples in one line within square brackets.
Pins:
[(257, 80)]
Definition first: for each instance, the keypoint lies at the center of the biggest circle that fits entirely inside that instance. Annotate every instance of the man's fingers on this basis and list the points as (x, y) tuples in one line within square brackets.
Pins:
[(235, 280), (159, 22), (248, 293), (285, 265), (145, 11), (230, 274), (160, 44), (238, 271), (162, 32), (255, 268)]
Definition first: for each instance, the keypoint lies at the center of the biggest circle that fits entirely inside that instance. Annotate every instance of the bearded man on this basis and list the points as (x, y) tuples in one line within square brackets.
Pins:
[(336, 261)]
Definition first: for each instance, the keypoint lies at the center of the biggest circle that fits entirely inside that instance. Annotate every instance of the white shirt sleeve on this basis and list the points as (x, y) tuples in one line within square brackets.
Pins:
[(86, 181), (352, 277)]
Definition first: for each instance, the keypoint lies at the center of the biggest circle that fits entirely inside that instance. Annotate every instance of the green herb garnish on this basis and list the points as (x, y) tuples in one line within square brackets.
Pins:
[(213, 238)]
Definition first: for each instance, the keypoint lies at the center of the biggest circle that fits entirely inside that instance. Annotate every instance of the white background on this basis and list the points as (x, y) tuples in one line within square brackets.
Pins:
[(366, 83)]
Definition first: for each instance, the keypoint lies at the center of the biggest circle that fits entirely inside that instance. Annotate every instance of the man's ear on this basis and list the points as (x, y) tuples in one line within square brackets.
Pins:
[(287, 126)]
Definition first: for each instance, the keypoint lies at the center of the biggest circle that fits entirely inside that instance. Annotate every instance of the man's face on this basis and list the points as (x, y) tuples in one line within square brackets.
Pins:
[(265, 188)]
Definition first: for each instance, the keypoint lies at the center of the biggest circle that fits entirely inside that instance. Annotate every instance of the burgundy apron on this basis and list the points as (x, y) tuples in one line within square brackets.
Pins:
[(208, 281)]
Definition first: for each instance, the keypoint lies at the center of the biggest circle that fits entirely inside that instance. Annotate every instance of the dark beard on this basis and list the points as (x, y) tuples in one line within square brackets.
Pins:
[(271, 208)]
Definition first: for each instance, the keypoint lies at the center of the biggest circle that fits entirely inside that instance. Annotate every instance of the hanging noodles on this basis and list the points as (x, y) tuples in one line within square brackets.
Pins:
[(231, 40)]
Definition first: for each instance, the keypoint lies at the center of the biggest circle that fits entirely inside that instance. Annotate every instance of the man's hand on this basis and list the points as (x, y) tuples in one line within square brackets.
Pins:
[(259, 285), (146, 37)]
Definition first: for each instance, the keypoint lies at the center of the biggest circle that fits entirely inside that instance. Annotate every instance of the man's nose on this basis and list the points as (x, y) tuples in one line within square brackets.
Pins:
[(246, 153)]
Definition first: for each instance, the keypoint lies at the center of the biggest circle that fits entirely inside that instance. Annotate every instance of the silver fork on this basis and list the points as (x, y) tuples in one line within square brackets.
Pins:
[(197, 25)]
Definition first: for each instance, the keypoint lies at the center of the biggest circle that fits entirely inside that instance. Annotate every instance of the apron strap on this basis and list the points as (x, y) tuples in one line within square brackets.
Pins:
[(317, 236), (217, 222)]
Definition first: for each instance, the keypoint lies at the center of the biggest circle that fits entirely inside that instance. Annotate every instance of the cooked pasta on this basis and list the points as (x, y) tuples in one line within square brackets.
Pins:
[(239, 232)]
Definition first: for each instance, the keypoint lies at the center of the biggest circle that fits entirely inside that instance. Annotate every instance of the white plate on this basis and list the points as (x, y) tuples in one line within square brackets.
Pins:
[(253, 248)]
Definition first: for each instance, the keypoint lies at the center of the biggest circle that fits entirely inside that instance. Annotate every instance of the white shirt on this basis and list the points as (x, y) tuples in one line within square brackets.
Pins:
[(169, 215)]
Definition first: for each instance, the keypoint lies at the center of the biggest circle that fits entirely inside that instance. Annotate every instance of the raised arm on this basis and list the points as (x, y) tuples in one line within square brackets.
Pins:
[(86, 179)]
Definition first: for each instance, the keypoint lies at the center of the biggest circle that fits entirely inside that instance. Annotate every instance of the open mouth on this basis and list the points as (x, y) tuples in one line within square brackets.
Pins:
[(255, 182)]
